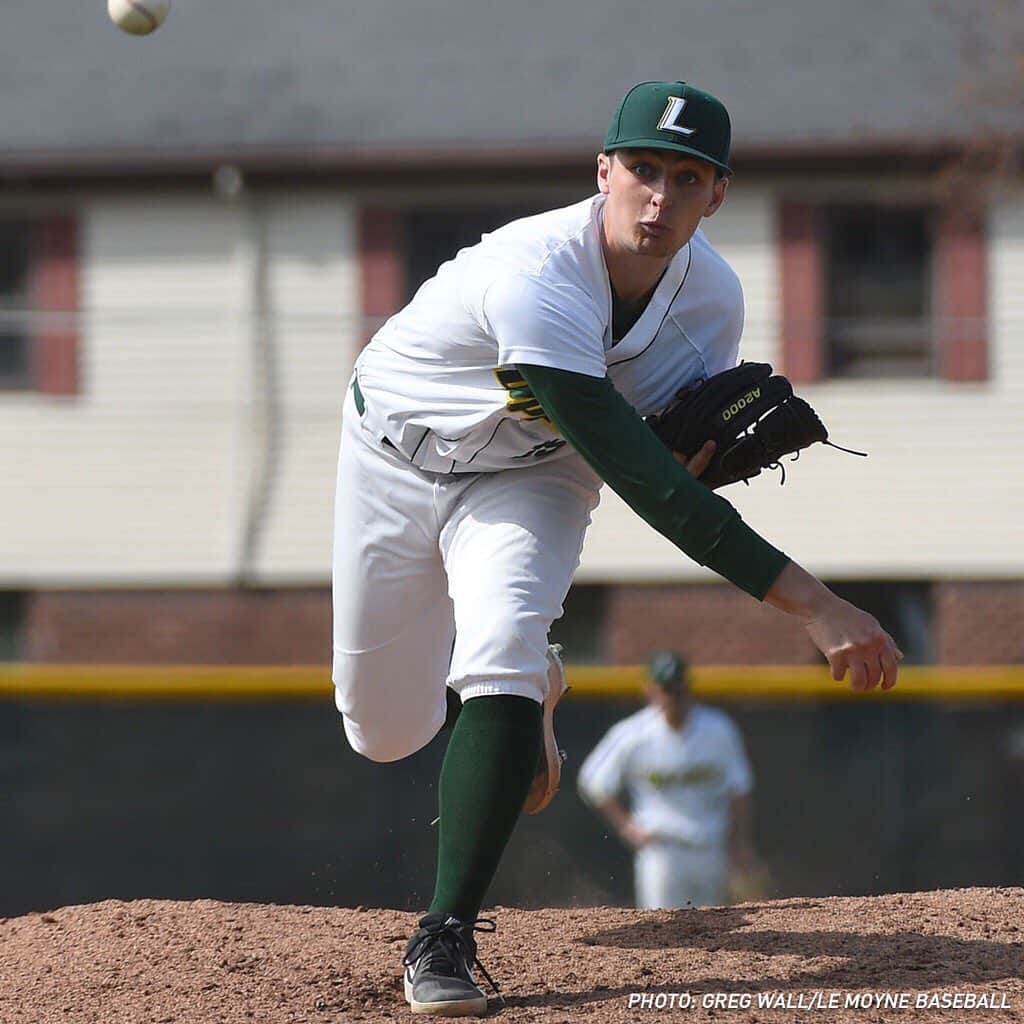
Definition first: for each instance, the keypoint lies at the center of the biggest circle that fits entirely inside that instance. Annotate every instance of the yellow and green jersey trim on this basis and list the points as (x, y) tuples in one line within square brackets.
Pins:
[(521, 400)]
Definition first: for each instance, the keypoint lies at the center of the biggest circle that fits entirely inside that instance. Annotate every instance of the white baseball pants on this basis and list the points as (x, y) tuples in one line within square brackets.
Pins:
[(444, 579), (670, 875)]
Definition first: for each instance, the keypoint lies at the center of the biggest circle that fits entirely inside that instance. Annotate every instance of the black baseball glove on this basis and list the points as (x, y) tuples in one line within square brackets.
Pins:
[(752, 416)]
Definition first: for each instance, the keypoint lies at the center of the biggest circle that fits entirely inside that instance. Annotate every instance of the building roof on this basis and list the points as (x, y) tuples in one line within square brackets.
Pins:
[(325, 83)]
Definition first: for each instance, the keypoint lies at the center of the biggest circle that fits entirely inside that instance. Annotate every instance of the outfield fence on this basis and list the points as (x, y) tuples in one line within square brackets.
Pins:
[(237, 783), (596, 682)]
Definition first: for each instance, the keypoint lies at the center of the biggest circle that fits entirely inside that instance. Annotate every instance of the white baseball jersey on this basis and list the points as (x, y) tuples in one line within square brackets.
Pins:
[(446, 575), (439, 376), (679, 783)]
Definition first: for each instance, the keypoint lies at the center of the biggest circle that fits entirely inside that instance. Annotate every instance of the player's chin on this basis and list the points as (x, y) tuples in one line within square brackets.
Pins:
[(660, 246)]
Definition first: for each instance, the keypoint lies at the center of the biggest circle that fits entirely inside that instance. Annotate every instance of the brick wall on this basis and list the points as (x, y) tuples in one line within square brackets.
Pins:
[(712, 624), (975, 622), (180, 626), (979, 623)]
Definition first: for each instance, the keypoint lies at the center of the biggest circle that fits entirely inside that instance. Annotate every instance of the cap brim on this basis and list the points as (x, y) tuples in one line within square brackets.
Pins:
[(674, 147)]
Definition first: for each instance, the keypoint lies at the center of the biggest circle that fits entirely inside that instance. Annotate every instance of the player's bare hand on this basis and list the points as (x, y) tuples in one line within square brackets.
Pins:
[(851, 639), (696, 464), (634, 836), (854, 642)]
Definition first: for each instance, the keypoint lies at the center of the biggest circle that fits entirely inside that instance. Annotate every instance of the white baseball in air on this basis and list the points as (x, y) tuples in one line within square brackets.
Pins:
[(138, 17)]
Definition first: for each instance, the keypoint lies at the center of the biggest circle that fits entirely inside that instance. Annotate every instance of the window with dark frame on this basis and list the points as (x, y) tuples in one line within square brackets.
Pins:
[(582, 628), (878, 294), (12, 625), (15, 300), (434, 235)]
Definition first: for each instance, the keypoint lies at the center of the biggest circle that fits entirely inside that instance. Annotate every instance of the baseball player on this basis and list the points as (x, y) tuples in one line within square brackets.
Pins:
[(479, 425), (682, 769)]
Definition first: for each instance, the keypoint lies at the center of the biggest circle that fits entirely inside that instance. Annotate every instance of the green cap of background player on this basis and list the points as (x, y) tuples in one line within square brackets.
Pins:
[(672, 115), (668, 670)]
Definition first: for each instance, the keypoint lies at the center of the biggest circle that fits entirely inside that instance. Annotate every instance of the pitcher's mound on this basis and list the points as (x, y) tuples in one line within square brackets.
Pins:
[(946, 956)]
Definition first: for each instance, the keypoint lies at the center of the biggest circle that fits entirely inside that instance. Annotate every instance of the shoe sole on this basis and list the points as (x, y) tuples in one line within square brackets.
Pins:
[(545, 786), (476, 1007)]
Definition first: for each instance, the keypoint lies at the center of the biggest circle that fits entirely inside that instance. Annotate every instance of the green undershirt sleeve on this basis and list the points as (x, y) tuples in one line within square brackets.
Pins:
[(605, 429)]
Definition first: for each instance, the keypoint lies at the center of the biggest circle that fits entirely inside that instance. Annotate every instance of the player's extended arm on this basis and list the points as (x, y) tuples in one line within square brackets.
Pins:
[(622, 821), (851, 639), (600, 424), (605, 429)]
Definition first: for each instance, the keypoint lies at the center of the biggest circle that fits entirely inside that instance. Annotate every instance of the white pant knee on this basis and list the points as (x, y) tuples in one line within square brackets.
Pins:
[(383, 745), (383, 732)]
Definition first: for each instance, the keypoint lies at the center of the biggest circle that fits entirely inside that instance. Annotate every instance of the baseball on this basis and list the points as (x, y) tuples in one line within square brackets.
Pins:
[(138, 17)]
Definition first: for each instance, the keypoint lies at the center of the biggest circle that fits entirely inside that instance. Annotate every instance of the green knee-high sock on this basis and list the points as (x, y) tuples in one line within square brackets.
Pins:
[(487, 771)]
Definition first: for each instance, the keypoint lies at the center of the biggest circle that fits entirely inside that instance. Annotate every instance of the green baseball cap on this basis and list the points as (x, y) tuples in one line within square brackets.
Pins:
[(668, 669), (672, 115)]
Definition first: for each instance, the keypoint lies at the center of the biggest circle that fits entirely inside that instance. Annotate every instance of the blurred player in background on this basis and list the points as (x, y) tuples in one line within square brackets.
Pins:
[(477, 430), (674, 782)]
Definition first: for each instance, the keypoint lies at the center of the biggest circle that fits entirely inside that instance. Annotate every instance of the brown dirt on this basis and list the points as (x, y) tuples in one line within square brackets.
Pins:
[(205, 962)]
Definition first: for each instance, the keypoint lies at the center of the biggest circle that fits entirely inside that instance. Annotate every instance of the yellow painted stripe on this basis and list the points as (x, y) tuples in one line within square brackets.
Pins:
[(809, 682), (166, 682), (313, 682)]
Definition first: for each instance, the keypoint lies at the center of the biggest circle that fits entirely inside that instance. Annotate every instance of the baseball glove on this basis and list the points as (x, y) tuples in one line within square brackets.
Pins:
[(752, 416)]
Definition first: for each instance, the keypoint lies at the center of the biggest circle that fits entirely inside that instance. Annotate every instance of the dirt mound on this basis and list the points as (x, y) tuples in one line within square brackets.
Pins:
[(928, 956)]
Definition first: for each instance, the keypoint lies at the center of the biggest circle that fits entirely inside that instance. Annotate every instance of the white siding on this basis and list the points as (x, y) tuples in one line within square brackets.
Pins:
[(144, 477), (314, 295), (132, 479), (147, 476)]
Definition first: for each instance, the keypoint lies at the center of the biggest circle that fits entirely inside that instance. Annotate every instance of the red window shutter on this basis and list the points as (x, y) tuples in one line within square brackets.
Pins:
[(802, 261), (961, 297), (382, 262), (55, 299)]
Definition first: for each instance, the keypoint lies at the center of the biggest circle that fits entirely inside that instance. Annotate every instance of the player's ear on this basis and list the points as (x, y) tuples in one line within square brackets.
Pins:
[(604, 170), (717, 196)]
